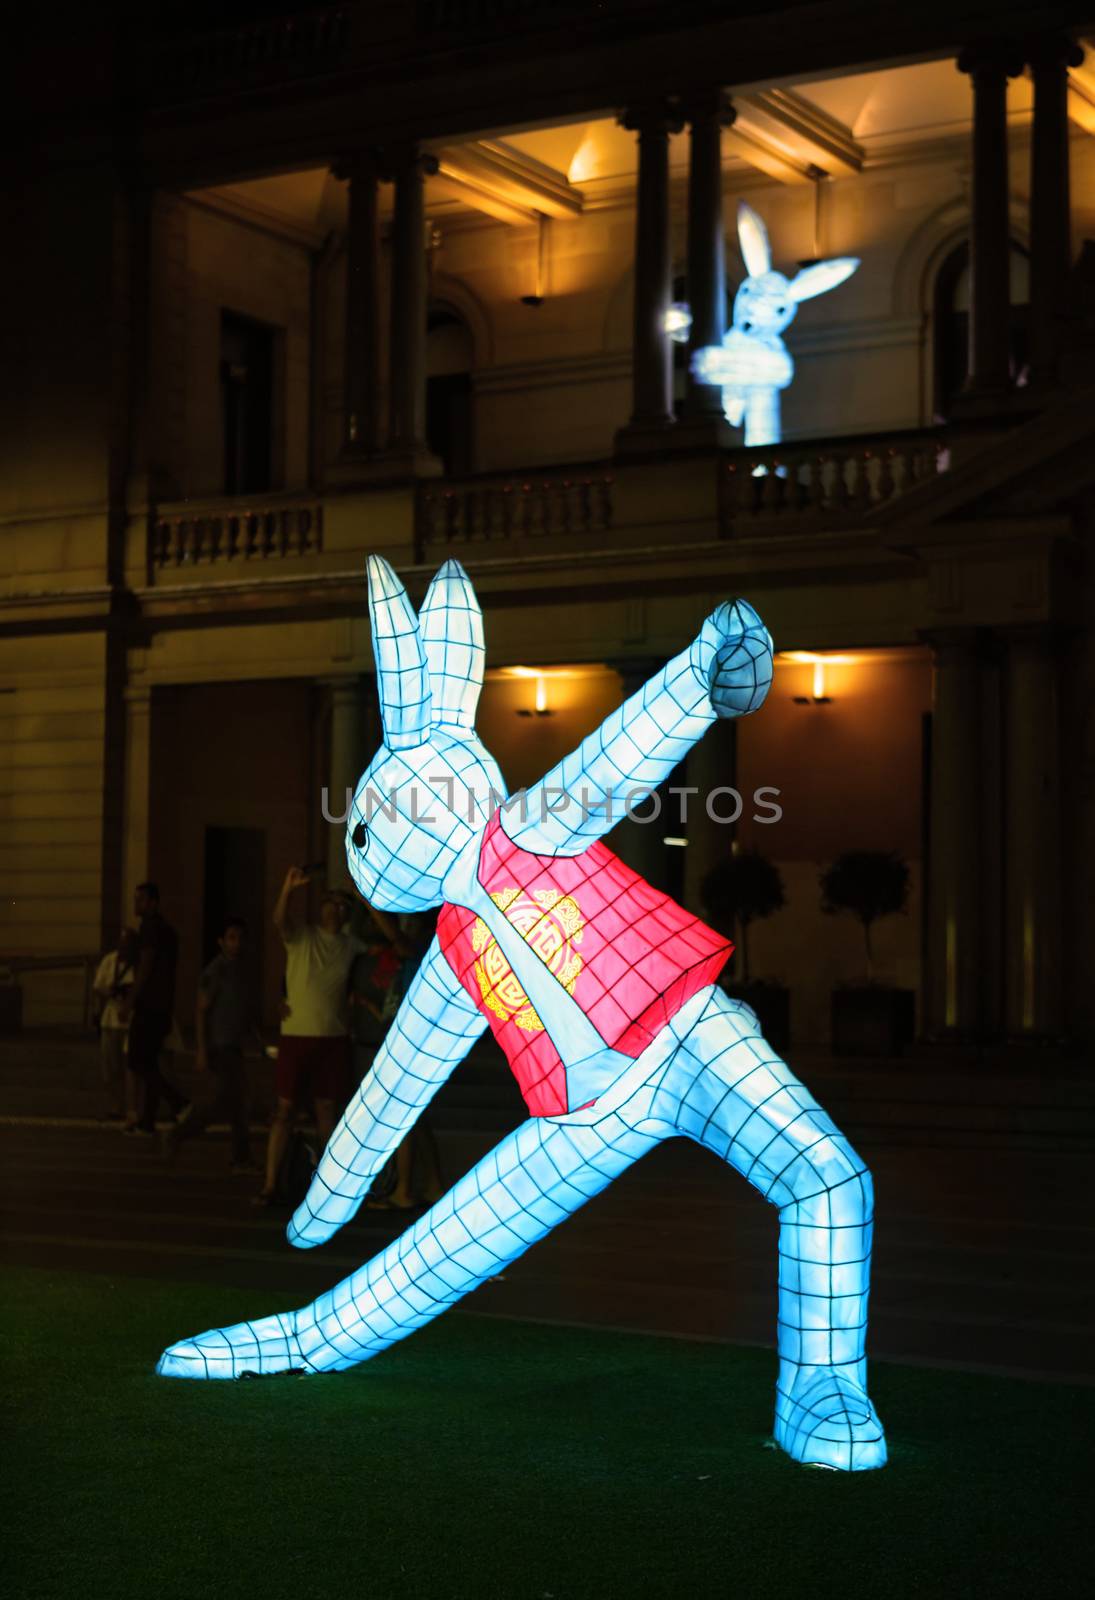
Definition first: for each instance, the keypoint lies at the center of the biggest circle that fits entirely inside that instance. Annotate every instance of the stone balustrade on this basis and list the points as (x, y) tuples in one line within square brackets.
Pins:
[(228, 532), (273, 47), (825, 482), (817, 485), (523, 506)]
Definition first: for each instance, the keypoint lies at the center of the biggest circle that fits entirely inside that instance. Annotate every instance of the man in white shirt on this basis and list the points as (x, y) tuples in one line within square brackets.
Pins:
[(314, 1051)]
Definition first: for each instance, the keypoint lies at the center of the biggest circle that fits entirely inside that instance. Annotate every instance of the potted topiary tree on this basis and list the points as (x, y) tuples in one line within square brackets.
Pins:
[(736, 893), (868, 1019)]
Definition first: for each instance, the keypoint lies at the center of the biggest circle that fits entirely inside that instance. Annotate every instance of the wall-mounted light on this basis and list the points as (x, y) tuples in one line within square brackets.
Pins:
[(675, 839), (539, 707), (817, 697)]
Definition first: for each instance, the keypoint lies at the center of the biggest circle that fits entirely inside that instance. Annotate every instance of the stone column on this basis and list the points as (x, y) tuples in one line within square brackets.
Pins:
[(1032, 834), (409, 288), (362, 345), (138, 769), (345, 764), (708, 113), (952, 991), (989, 66), (142, 388), (1050, 218), (652, 362)]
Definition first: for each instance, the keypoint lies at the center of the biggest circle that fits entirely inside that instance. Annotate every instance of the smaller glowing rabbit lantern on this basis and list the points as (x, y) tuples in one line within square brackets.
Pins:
[(753, 364)]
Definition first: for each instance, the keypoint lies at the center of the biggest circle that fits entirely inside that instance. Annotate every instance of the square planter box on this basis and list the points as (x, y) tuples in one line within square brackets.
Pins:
[(872, 1021)]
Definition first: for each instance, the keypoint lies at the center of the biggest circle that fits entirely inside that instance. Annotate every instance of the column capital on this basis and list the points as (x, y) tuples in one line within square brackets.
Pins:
[(405, 159), (991, 58), (653, 117), (1058, 49), (364, 162), (954, 641), (1034, 638), (710, 104), (343, 685)]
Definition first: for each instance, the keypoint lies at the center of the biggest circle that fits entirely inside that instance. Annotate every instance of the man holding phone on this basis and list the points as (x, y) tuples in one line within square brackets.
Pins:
[(314, 1050)]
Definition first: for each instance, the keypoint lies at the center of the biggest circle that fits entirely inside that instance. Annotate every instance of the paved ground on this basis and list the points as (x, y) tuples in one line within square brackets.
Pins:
[(983, 1259)]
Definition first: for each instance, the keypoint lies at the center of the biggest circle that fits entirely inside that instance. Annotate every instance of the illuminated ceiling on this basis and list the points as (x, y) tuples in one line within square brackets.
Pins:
[(781, 133)]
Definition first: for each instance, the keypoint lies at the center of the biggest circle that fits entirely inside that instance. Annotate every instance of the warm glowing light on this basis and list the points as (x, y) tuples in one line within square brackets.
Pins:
[(808, 657), (602, 994), (678, 322), (819, 662)]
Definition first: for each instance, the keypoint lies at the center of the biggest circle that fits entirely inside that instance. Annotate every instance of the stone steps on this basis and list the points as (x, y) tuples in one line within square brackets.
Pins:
[(922, 1097)]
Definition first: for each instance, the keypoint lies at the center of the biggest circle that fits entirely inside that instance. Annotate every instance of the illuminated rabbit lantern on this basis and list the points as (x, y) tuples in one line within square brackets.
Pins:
[(753, 364), (601, 993)]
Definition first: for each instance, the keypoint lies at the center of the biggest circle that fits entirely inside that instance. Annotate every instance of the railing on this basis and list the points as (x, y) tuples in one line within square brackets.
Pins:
[(276, 47), (826, 481), (523, 506), (219, 533)]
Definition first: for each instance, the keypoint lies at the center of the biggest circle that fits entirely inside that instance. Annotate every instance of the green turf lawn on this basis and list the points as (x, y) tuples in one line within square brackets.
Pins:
[(484, 1458)]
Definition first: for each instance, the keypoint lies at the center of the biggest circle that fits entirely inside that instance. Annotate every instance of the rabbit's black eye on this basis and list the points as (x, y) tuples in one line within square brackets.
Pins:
[(357, 838)]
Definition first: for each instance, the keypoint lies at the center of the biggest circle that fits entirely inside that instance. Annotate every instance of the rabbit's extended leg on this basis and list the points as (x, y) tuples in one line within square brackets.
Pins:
[(535, 1178), (727, 1089)]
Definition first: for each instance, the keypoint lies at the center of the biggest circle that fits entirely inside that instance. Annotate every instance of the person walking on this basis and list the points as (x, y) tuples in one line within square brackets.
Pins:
[(113, 982), (150, 1006), (225, 1018), (314, 1050)]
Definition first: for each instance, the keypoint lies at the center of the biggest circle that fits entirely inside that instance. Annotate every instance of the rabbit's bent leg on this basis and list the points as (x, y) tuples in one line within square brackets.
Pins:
[(727, 1089), (536, 1177)]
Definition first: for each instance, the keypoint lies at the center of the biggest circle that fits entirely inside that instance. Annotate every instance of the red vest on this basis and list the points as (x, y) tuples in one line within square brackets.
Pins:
[(628, 955)]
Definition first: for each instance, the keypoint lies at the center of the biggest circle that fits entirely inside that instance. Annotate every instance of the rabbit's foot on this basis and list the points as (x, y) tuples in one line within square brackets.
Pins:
[(248, 1349), (826, 1420)]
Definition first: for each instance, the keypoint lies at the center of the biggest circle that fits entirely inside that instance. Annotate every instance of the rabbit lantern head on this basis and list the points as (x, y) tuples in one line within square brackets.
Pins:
[(766, 302), (432, 784)]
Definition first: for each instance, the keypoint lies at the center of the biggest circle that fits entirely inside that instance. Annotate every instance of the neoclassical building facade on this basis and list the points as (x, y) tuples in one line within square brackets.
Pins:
[(395, 279)]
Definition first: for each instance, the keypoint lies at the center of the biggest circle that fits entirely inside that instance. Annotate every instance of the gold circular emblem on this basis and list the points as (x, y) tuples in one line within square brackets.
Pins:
[(551, 923)]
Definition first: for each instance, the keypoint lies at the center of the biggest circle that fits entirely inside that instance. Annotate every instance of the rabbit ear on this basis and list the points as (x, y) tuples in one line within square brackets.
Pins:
[(821, 276), (451, 625), (753, 238), (403, 680)]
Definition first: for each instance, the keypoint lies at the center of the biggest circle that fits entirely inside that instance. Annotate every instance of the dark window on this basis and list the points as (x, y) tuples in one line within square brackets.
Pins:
[(952, 325), (247, 401)]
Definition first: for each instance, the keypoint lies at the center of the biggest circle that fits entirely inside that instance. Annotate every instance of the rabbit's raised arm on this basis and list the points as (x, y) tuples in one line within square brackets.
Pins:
[(433, 1030), (725, 672)]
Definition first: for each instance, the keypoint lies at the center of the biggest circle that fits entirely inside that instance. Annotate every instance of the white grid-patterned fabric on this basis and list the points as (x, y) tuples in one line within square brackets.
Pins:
[(704, 1073)]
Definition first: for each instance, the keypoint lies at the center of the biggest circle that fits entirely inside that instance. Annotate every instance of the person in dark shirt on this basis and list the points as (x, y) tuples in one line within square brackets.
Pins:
[(225, 1018), (151, 1004)]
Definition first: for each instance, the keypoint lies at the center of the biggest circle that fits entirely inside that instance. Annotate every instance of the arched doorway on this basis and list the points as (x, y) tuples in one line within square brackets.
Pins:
[(950, 323), (450, 352)]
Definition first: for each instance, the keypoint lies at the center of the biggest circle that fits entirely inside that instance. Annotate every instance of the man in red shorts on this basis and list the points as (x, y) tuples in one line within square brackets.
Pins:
[(314, 1052)]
